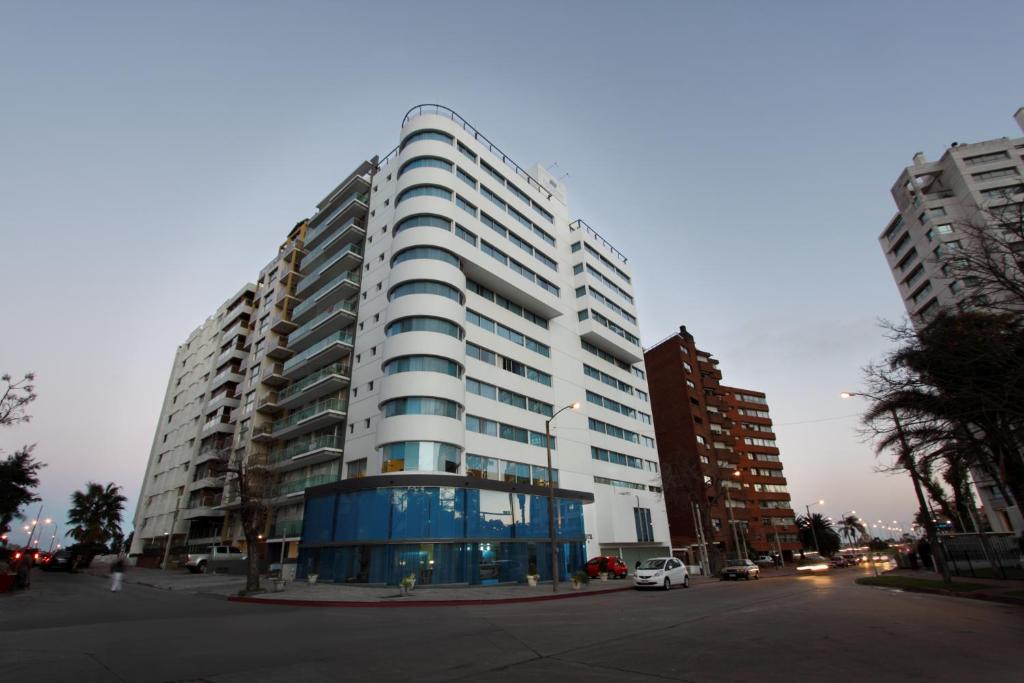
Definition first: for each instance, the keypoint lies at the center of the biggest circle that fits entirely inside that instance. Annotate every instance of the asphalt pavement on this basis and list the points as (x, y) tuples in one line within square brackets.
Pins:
[(72, 628)]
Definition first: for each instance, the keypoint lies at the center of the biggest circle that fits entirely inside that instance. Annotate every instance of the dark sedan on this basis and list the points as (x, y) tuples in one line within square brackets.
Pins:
[(60, 561)]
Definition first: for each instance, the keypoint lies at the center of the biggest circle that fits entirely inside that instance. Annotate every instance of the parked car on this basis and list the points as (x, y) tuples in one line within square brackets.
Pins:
[(812, 563), (661, 572), (740, 569), (614, 566), (839, 562), (765, 561), (197, 563), (60, 561)]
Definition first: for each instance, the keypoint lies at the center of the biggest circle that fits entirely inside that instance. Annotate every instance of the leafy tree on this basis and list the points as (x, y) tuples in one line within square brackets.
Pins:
[(818, 528), (95, 516), (19, 472), (877, 544)]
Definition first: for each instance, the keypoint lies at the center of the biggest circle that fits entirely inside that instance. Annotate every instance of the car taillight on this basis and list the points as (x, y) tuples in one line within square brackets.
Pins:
[(17, 556)]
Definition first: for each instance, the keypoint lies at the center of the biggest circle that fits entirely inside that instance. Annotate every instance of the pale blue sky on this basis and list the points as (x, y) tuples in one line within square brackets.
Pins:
[(741, 154)]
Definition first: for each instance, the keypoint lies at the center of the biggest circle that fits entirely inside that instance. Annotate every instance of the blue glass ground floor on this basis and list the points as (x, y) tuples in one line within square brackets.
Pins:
[(439, 529)]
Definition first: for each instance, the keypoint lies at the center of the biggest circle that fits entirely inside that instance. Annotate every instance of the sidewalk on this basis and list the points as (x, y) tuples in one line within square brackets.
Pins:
[(996, 590)]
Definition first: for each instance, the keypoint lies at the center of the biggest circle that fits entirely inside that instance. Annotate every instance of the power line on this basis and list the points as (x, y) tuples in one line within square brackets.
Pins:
[(824, 419)]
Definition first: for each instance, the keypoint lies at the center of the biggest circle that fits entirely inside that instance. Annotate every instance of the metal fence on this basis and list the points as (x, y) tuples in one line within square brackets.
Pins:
[(993, 555)]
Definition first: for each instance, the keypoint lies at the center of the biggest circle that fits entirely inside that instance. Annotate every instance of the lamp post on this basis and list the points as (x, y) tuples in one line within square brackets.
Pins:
[(551, 495), (810, 522), (907, 460)]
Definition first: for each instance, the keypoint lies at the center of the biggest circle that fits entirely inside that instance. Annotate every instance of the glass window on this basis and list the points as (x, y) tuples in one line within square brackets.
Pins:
[(488, 514), (434, 253), (482, 467), (423, 364), (423, 220), (465, 235), (435, 135), (425, 162), (531, 515), (424, 324), (425, 287), (319, 517), (362, 515), (424, 191), (420, 456), (422, 405)]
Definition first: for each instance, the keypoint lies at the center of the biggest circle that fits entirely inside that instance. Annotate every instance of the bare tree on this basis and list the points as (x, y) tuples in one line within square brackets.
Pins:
[(19, 472), (988, 258), (248, 485)]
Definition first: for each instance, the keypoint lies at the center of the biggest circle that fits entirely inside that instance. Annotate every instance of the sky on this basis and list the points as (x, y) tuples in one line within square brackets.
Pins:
[(154, 155)]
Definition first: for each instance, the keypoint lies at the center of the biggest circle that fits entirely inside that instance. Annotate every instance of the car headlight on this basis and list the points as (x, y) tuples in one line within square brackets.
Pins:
[(658, 573)]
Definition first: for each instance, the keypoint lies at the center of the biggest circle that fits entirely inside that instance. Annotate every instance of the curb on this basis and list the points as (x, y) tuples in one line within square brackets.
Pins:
[(978, 595), (291, 602)]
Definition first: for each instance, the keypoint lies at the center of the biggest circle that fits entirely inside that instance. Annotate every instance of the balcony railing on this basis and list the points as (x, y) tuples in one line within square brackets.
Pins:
[(287, 528), (332, 404), (206, 501), (305, 445), (323, 225), (312, 324), (310, 303), (303, 484), (312, 278), (343, 337), (342, 369)]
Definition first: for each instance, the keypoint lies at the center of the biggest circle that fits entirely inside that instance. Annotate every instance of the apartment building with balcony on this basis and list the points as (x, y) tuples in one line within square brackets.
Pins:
[(407, 346), (725, 492), (970, 184), (181, 494)]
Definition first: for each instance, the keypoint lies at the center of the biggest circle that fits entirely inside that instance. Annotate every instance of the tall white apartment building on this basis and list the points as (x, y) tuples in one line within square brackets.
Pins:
[(932, 198), (180, 495), (422, 341)]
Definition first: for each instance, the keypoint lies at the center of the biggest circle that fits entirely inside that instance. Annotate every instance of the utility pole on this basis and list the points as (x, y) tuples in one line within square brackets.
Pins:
[(551, 498), (705, 561), (170, 534)]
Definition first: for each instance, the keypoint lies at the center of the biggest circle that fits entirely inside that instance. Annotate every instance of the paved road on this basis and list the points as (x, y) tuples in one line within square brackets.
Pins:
[(71, 628)]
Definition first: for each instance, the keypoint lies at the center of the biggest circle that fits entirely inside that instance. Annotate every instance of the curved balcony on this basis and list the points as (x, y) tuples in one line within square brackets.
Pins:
[(333, 348), (317, 416), (219, 425), (457, 120), (321, 383), (307, 451)]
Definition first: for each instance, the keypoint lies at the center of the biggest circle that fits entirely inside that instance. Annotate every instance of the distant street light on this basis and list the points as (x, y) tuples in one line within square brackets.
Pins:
[(810, 521), (911, 467)]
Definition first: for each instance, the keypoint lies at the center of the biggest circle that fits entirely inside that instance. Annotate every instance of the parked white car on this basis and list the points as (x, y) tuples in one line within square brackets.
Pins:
[(661, 572)]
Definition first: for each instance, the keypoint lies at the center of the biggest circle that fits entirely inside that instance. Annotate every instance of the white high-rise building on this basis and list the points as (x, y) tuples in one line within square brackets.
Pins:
[(933, 198), (472, 311)]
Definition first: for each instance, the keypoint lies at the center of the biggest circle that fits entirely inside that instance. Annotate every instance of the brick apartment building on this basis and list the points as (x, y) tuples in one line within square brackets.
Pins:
[(721, 469)]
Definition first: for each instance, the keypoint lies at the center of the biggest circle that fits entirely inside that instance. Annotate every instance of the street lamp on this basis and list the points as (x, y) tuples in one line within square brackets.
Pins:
[(810, 521), (551, 495), (911, 467)]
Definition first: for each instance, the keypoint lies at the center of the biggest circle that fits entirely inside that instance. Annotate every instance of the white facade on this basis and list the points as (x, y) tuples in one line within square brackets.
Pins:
[(933, 198), (471, 187), (196, 404), (497, 309)]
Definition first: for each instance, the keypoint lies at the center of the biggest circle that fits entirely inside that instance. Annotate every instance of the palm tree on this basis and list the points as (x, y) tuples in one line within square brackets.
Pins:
[(852, 528), (825, 535), (95, 514)]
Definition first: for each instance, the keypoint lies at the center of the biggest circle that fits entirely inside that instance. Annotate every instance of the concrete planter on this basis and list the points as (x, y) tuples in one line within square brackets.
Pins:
[(277, 585), (311, 578), (532, 579), (603, 576), (577, 585)]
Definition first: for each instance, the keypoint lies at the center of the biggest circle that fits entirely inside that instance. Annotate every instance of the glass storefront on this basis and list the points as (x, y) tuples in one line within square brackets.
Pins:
[(440, 535)]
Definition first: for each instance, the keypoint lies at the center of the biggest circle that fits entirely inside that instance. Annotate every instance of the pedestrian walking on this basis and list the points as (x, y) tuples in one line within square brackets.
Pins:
[(117, 575)]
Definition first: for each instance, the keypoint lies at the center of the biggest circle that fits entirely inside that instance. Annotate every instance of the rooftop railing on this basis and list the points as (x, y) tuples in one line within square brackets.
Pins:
[(441, 110)]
